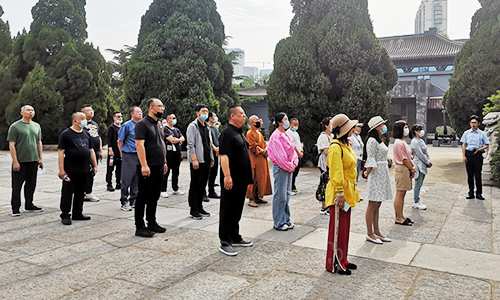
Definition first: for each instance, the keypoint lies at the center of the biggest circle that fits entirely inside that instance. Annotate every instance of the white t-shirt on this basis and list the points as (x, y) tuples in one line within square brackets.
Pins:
[(357, 145), (295, 138), (323, 142)]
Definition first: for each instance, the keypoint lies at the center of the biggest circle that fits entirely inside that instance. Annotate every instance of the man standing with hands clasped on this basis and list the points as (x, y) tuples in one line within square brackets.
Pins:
[(474, 142), (151, 153), (236, 174)]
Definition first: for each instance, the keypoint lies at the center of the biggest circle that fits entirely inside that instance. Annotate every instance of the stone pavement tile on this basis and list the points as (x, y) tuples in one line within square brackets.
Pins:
[(288, 236), (15, 271), (423, 231), (50, 286), (471, 214), (466, 234), (109, 264), (182, 219), (250, 228), (254, 262), (458, 261), (175, 239), (358, 224), (32, 246), (309, 262), (283, 285), (495, 234), (108, 208), (92, 230), (171, 216), (123, 238), (33, 232), (166, 270), (496, 291), (263, 212), (438, 285), (204, 285), (10, 223), (111, 289), (6, 256), (67, 255), (317, 239), (372, 280), (318, 221)]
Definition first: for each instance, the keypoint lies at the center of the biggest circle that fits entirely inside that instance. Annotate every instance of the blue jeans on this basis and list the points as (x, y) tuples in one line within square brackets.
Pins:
[(282, 190), (358, 169), (418, 184)]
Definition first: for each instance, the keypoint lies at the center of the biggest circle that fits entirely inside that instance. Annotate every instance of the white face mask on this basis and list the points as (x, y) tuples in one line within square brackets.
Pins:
[(406, 132), (422, 133)]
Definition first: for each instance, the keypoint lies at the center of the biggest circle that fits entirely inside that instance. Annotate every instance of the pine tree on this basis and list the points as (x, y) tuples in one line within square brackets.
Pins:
[(477, 68), (332, 63), (180, 60)]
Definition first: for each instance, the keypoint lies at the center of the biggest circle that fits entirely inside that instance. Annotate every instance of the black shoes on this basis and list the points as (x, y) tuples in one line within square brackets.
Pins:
[(156, 228), (470, 197), (195, 216), (342, 272), (479, 197), (351, 266), (204, 214), (33, 209), (66, 221), (213, 195), (118, 186), (81, 218), (110, 188), (144, 232)]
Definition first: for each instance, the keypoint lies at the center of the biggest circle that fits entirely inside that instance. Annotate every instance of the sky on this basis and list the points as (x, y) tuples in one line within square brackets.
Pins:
[(255, 26)]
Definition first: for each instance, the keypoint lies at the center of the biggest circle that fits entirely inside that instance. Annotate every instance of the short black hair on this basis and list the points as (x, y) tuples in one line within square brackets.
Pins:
[(415, 128), (211, 114), (198, 107), (323, 125), (293, 119), (474, 117), (85, 106), (398, 129), (150, 102), (231, 110), (116, 112), (278, 118)]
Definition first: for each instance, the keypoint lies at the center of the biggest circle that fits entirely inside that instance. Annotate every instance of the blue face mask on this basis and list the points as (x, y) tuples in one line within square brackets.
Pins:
[(384, 130), (286, 124), (422, 133), (83, 124), (118, 122), (356, 133), (204, 117), (174, 121), (216, 120), (406, 132), (295, 128)]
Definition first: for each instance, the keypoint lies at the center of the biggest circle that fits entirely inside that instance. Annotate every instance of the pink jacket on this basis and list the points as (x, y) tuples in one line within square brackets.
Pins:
[(281, 151)]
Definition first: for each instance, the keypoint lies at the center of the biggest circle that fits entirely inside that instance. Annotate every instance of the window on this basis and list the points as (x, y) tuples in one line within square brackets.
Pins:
[(449, 68), (432, 69), (424, 77), (400, 70)]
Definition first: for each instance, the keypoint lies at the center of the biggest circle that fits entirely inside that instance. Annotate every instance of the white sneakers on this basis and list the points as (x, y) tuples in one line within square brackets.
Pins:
[(126, 207), (419, 205), (178, 192), (91, 197), (164, 195)]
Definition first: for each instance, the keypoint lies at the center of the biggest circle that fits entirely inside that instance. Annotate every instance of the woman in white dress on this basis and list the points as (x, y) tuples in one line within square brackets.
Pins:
[(378, 188), (323, 143)]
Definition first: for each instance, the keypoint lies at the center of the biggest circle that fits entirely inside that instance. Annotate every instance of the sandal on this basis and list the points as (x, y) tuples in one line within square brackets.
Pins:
[(406, 222)]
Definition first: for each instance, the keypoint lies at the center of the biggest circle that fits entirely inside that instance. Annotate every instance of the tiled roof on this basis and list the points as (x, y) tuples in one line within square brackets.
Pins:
[(257, 90), (418, 46), (435, 103)]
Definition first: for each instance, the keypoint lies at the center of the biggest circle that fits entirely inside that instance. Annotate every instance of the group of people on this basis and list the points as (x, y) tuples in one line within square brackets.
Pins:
[(143, 151)]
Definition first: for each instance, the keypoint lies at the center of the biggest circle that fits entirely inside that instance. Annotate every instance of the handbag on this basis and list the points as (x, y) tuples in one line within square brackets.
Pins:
[(323, 182)]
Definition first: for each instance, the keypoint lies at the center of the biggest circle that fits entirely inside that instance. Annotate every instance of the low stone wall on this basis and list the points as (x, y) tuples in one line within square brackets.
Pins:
[(491, 121)]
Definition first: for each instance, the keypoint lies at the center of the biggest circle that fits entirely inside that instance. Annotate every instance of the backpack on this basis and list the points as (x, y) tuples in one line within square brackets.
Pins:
[(315, 152)]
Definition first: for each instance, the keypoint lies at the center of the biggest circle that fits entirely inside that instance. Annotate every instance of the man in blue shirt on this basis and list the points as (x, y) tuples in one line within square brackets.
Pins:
[(474, 142), (130, 161)]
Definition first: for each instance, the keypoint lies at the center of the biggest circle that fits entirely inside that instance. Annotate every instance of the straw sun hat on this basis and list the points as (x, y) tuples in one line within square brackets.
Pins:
[(375, 122), (342, 124)]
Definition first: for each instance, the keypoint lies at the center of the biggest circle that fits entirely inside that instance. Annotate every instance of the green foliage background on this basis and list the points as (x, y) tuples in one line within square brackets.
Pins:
[(332, 63), (180, 60), (477, 67)]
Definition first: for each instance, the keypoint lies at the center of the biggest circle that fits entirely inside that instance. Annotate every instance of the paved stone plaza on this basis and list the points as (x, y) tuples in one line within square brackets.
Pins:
[(451, 252)]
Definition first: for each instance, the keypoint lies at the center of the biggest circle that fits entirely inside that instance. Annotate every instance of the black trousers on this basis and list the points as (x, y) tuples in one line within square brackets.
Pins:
[(213, 175), (231, 207), (474, 166), (27, 175), (197, 186), (72, 194), (148, 195), (173, 164), (117, 162), (294, 175), (90, 179)]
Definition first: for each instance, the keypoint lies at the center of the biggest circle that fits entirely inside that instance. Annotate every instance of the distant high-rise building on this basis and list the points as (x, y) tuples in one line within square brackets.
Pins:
[(432, 13), (265, 72), (239, 66), (251, 72)]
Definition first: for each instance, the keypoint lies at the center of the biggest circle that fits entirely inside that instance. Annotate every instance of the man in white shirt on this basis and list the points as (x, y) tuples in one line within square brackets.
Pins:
[(292, 132), (357, 145)]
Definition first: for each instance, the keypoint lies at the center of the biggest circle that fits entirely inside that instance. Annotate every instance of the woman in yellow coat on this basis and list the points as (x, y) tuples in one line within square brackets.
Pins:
[(341, 194)]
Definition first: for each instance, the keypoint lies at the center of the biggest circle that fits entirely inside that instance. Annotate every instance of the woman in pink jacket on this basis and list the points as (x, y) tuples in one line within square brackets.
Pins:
[(281, 151)]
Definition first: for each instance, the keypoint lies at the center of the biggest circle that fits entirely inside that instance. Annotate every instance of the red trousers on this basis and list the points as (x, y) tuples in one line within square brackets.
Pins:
[(338, 239)]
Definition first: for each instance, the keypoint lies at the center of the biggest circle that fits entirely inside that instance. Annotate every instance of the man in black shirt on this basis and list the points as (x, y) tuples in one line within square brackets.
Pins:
[(75, 155), (173, 142), (114, 157), (151, 154), (93, 129), (201, 159), (236, 174)]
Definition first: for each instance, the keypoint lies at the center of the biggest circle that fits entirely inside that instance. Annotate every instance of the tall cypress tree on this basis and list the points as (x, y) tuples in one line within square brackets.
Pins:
[(477, 67), (180, 59), (332, 63)]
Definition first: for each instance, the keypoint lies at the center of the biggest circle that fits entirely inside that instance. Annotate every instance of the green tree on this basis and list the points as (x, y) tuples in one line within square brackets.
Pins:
[(39, 92), (332, 63), (180, 60), (477, 67), (5, 38), (67, 15)]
